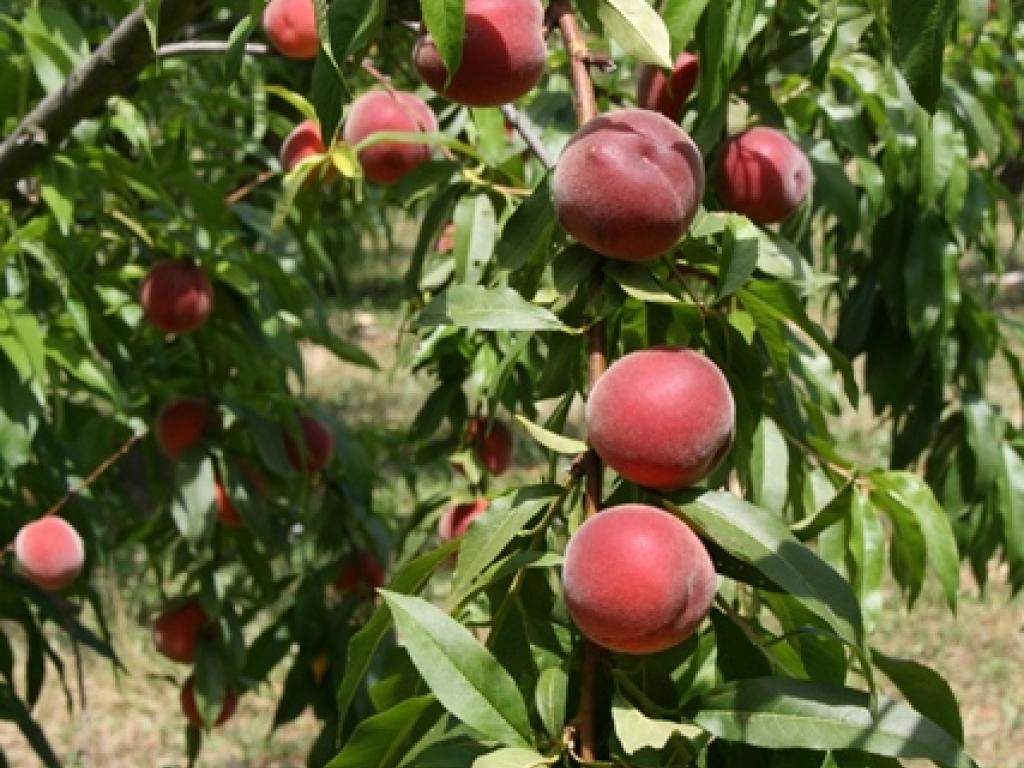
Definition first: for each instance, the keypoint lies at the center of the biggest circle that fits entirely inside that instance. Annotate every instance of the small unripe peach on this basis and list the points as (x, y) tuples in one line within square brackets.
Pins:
[(661, 417), (637, 579), (304, 141), (227, 513), (360, 572), (628, 184), (180, 425), (191, 711), (176, 630), (317, 446), (385, 111), (49, 552), (176, 296), (503, 54), (290, 25), (492, 442), (667, 94), (456, 519), (763, 175)]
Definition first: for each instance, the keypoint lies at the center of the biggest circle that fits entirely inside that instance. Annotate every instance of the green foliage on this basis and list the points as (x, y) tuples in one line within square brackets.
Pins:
[(910, 114)]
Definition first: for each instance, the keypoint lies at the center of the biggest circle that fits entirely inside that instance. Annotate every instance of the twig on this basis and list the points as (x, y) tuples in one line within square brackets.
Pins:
[(582, 86), (243, 191), (95, 474), (527, 130), (111, 68)]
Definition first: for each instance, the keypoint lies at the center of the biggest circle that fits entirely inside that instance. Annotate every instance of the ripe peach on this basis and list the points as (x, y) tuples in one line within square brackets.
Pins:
[(175, 631), (493, 445), (456, 519), (49, 552), (359, 572), (290, 25), (304, 141), (180, 424), (318, 446), (661, 417), (763, 175), (227, 513), (503, 54), (176, 296), (664, 94), (637, 579), (191, 711), (628, 184), (379, 111)]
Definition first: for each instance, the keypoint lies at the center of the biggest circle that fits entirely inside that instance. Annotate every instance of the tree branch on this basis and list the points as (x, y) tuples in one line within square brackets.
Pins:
[(202, 47), (528, 131), (111, 68)]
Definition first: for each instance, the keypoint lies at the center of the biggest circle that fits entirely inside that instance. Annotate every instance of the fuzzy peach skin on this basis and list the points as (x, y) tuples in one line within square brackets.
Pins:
[(661, 417), (303, 141), (180, 424), (628, 184), (503, 54), (176, 296), (49, 552), (667, 94), (318, 442), (176, 629), (380, 111), (493, 445), (763, 175), (637, 580), (290, 26), (227, 513), (456, 519), (191, 710)]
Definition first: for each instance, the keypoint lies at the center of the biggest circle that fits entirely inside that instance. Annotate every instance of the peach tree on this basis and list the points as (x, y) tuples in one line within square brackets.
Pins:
[(646, 246)]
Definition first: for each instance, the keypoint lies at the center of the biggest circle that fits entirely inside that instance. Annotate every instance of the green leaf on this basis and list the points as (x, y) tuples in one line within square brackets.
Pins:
[(14, 710), (298, 102), (638, 28), (925, 689), (921, 30), (550, 440), (739, 259), (461, 672), (783, 713), (151, 12), (906, 497), (550, 696), (527, 229), (681, 17), (475, 230), (762, 540), (769, 467), (488, 309), (235, 53), (193, 503), (1011, 508), (636, 731), (985, 429), (637, 281), (23, 340), (409, 579), (513, 757), (445, 20), (379, 741)]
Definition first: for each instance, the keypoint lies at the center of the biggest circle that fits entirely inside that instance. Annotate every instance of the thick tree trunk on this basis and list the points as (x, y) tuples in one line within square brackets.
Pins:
[(110, 69)]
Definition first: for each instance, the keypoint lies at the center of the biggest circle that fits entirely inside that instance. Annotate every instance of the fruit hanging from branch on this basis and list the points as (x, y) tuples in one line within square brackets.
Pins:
[(763, 175), (667, 94), (290, 26), (389, 111), (176, 296), (49, 552)]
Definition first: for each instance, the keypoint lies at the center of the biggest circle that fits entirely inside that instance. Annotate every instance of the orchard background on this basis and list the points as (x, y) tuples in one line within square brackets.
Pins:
[(867, 340)]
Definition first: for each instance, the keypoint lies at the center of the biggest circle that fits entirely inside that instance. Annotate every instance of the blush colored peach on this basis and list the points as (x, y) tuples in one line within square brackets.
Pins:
[(191, 710), (176, 296), (49, 552), (763, 175), (503, 54), (661, 417), (290, 26), (492, 441), (227, 513), (637, 579), (318, 446), (304, 141), (180, 424), (628, 184), (175, 631), (384, 111), (667, 94), (456, 519)]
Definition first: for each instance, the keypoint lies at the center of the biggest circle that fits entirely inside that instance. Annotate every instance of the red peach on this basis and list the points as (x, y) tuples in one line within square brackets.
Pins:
[(180, 425), (763, 175), (304, 141), (176, 630), (656, 91), (628, 184), (637, 579), (359, 572), (503, 54), (290, 25), (176, 296), (227, 513), (661, 417), (318, 446), (49, 552), (456, 519), (380, 111), (191, 711), (493, 445)]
